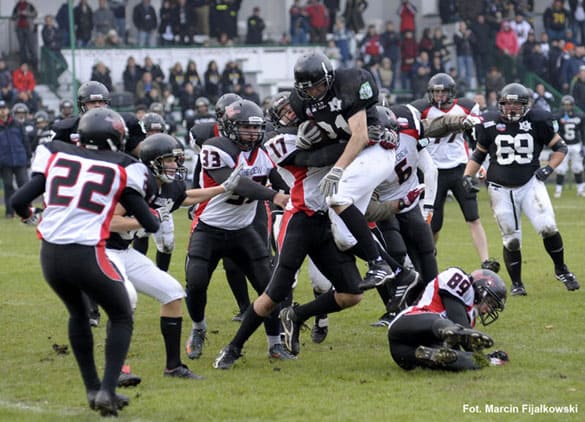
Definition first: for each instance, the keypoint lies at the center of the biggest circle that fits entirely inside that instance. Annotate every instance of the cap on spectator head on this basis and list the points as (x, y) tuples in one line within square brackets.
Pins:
[(582, 67), (3, 104)]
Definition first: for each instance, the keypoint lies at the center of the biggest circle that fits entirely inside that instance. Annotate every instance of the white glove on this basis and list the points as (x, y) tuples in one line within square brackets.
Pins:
[(232, 181), (163, 214), (470, 121), (34, 218), (329, 183), (308, 135)]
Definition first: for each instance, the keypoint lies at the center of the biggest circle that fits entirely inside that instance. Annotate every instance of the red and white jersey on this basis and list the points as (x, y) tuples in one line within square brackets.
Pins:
[(304, 194), (454, 281), (230, 211), (82, 189), (452, 150)]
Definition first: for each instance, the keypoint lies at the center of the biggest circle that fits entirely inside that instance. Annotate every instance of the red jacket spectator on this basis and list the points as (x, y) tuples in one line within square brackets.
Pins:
[(318, 20), (23, 79), (507, 41), (407, 13)]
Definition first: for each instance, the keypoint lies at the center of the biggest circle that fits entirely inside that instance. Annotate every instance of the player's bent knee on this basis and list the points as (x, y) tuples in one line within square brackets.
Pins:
[(346, 300), (264, 305), (512, 244)]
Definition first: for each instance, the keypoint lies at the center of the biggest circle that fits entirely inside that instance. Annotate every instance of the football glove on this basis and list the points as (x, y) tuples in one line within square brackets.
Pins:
[(34, 218), (543, 173), (470, 121), (328, 185), (232, 181), (470, 184), (411, 197), (308, 135), (162, 213)]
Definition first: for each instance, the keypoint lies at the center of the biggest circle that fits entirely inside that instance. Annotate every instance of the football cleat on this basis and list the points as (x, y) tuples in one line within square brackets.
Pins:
[(320, 329), (379, 272), (498, 358), (291, 330), (404, 290), (106, 403), (384, 320), (182, 371), (491, 264), (469, 339), (438, 356), (277, 351), (568, 278), (518, 289), (127, 378), (195, 343), (227, 357)]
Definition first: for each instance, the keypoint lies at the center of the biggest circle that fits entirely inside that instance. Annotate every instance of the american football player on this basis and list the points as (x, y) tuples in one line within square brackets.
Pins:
[(74, 227), (450, 155), (223, 226), (513, 138), (438, 331), (572, 130), (341, 103)]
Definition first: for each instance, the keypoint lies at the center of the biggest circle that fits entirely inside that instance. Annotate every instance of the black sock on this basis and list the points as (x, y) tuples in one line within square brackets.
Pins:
[(171, 331), (249, 325), (554, 247), (163, 260), (513, 261), (324, 304), (316, 294), (358, 226)]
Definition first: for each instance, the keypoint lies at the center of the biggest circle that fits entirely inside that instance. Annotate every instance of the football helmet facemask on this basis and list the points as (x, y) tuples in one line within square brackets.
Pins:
[(490, 294), (280, 110), (90, 92), (441, 90), (155, 151), (514, 102), (244, 124), (313, 71), (102, 129)]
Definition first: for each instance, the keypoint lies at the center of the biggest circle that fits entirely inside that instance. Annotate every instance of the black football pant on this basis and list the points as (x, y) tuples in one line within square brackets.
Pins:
[(71, 270)]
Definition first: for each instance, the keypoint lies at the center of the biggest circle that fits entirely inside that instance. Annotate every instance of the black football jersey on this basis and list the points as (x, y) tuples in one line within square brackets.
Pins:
[(514, 148), (352, 90), (571, 127)]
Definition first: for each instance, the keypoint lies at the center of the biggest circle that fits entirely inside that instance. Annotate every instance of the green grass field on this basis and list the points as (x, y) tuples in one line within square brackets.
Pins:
[(350, 377)]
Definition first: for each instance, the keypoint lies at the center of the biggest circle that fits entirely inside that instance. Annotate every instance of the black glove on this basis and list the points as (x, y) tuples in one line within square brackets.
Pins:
[(543, 172), (470, 184)]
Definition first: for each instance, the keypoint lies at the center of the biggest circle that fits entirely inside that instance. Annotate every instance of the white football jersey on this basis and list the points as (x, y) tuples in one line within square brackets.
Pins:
[(304, 194), (230, 211), (454, 281), (82, 190), (452, 150)]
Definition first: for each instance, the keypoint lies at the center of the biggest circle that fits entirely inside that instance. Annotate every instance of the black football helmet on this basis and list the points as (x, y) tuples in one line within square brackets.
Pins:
[(514, 102), (277, 112), (490, 294), (92, 91), (153, 122), (66, 108), (102, 129), (224, 101), (155, 149), (390, 128), (441, 82), (244, 124), (568, 103), (311, 70)]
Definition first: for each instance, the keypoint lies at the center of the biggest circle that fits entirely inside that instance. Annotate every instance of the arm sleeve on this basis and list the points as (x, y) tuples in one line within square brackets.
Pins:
[(135, 204), (246, 187), (455, 309), (326, 156), (24, 196), (429, 169), (442, 125)]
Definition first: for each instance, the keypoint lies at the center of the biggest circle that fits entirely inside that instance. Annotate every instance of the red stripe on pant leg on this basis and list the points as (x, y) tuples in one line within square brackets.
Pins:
[(106, 265)]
